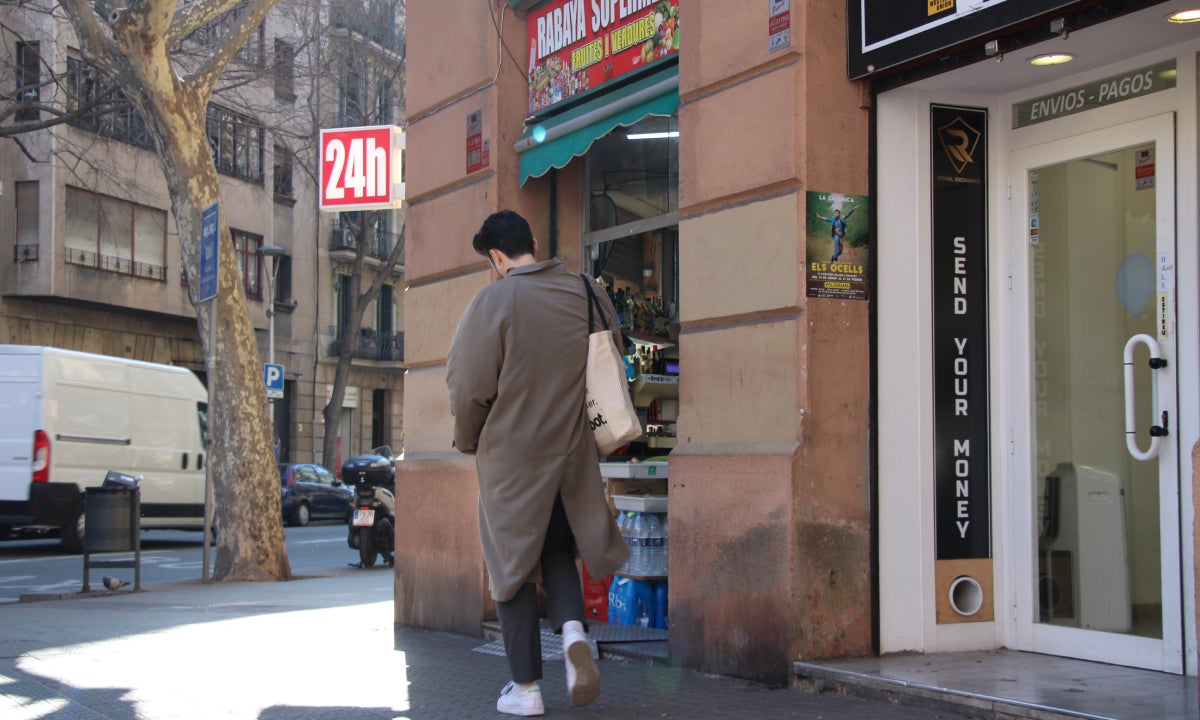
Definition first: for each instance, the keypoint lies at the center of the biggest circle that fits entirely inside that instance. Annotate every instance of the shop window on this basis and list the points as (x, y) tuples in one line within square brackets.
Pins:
[(632, 246), (633, 216), (633, 174)]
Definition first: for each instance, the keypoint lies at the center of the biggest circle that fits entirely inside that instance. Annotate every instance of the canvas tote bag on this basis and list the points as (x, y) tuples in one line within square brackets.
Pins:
[(609, 408)]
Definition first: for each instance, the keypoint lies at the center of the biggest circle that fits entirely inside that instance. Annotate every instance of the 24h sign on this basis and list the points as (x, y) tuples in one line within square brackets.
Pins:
[(361, 168)]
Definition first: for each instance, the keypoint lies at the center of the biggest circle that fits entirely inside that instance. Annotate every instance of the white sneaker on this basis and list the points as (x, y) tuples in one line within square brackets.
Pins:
[(515, 701), (583, 678)]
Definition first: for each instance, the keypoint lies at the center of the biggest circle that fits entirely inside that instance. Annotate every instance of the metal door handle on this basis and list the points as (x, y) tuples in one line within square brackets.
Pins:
[(1157, 432)]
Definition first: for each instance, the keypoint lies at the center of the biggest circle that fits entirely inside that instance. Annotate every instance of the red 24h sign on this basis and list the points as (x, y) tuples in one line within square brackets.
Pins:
[(361, 168)]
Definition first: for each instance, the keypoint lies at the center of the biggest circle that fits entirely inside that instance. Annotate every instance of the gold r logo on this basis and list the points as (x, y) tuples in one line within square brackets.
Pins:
[(959, 141)]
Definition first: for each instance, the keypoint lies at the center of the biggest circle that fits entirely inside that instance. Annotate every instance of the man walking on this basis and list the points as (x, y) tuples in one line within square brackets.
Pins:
[(515, 372)]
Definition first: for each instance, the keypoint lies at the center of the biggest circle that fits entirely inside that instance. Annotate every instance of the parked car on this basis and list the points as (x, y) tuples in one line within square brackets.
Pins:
[(310, 492)]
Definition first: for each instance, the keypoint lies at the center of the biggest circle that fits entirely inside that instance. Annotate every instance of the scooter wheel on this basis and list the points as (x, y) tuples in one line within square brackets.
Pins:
[(366, 548)]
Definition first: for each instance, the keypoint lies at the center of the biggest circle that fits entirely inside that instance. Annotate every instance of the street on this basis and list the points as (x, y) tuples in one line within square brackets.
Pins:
[(41, 566)]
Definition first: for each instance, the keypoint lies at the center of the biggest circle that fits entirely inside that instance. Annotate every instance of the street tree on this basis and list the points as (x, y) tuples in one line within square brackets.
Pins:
[(135, 46)]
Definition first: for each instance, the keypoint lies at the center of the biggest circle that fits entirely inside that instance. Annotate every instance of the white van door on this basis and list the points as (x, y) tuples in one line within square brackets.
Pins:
[(1094, 486)]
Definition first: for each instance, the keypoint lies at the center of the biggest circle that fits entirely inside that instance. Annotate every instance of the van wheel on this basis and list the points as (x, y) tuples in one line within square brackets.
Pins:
[(73, 530), (302, 516)]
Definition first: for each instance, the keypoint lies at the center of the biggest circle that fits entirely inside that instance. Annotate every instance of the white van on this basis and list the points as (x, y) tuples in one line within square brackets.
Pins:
[(67, 418)]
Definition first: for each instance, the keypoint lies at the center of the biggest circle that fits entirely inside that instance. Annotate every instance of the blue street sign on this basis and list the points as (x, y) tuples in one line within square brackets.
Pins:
[(210, 234), (273, 379)]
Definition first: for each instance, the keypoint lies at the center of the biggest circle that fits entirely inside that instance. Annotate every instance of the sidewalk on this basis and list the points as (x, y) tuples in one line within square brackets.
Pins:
[(324, 648)]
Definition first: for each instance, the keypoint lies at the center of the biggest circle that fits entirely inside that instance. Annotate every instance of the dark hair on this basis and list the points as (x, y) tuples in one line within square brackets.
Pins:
[(505, 231)]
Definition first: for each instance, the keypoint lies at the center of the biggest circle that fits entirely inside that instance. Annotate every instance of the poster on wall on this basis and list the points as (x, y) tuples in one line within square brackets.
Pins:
[(577, 45), (837, 245), (962, 485)]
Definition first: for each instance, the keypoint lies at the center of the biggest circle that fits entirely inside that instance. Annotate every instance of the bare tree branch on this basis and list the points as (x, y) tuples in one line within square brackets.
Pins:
[(206, 76)]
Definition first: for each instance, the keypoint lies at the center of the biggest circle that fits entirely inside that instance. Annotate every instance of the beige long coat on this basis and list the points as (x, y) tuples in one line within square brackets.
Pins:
[(515, 371)]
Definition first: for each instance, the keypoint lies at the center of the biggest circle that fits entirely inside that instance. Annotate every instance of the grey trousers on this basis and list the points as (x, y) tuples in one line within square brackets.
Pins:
[(519, 623)]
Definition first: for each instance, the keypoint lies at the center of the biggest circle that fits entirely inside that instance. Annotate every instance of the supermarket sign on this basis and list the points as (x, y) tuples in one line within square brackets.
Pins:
[(578, 45), (362, 168)]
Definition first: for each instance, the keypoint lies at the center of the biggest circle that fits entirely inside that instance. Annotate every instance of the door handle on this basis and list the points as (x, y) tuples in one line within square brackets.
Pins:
[(1157, 432)]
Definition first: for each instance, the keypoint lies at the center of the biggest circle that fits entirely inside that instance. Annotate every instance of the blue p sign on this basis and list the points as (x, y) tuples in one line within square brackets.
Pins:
[(273, 379)]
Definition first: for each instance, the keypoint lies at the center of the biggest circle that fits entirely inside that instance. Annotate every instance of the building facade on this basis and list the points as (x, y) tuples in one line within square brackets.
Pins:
[(932, 309), (95, 263)]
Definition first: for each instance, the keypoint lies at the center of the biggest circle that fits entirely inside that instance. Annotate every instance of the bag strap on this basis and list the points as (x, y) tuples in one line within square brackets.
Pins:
[(593, 303)]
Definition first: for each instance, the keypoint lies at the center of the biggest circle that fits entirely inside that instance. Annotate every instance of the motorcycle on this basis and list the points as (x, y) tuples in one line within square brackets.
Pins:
[(373, 517)]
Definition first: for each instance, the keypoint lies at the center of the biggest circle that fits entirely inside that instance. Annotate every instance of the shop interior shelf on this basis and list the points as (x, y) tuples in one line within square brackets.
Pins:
[(642, 470), (640, 503)]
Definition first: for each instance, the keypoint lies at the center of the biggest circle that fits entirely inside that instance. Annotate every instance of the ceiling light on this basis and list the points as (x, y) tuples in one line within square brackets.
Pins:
[(1051, 59), (652, 135), (1184, 16)]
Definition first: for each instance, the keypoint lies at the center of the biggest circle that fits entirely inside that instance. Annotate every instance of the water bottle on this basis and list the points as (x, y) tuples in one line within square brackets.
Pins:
[(638, 562), (654, 545), (626, 526), (661, 592), (666, 545)]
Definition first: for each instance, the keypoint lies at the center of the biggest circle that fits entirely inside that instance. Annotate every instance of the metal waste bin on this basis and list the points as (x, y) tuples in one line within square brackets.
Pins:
[(112, 524), (109, 517)]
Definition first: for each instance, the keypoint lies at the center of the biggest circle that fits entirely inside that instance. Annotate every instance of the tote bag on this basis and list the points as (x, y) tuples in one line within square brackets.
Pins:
[(609, 409)]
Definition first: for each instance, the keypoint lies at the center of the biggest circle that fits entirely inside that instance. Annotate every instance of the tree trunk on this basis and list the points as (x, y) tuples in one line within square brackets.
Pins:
[(250, 543)]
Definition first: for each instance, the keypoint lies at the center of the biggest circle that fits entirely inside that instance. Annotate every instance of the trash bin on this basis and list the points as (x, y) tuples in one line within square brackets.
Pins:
[(112, 524), (110, 514)]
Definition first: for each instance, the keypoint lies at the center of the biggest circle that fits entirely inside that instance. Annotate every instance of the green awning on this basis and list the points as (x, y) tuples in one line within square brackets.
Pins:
[(570, 134)]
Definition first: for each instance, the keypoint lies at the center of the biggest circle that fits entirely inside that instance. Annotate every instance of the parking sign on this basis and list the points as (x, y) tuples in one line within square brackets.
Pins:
[(273, 379)]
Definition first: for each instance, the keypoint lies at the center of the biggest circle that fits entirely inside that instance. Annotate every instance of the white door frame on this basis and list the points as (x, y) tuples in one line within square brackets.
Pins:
[(1016, 391)]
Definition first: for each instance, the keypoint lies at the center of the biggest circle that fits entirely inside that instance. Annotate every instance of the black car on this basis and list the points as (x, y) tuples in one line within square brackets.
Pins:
[(310, 492)]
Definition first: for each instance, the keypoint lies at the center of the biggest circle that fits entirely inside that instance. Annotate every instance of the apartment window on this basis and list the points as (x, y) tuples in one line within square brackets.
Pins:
[(246, 247), (283, 279), (282, 174), (208, 35), (353, 92), (26, 248), (237, 144), (285, 71), (385, 310), (345, 305), (29, 79), (111, 234), (114, 116), (383, 101), (254, 52)]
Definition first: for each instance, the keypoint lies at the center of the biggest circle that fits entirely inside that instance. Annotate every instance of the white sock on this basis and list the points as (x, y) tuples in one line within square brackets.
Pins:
[(573, 627)]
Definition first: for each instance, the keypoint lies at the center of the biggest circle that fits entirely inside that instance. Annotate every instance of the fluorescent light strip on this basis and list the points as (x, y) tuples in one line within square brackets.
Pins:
[(652, 135)]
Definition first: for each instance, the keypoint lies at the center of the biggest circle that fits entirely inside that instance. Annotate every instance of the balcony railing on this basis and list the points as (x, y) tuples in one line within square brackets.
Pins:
[(379, 243), (112, 263), (371, 345), (25, 252)]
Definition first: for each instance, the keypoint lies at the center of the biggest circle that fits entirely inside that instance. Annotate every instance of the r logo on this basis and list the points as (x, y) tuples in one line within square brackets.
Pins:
[(959, 141)]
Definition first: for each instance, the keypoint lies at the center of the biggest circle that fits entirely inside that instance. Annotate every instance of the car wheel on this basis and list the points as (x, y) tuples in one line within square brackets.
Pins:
[(73, 530), (302, 516)]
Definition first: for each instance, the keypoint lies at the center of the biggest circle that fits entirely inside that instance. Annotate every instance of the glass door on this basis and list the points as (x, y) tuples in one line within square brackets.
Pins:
[(1097, 575)]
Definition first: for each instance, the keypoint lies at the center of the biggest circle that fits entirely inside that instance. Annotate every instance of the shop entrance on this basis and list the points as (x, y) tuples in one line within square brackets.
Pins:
[(1094, 482)]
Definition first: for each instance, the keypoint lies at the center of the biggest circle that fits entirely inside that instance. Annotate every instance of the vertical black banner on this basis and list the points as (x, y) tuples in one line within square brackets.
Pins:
[(960, 332)]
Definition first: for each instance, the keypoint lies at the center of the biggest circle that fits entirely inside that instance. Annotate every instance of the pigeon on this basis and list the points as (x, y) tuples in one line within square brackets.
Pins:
[(113, 583)]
